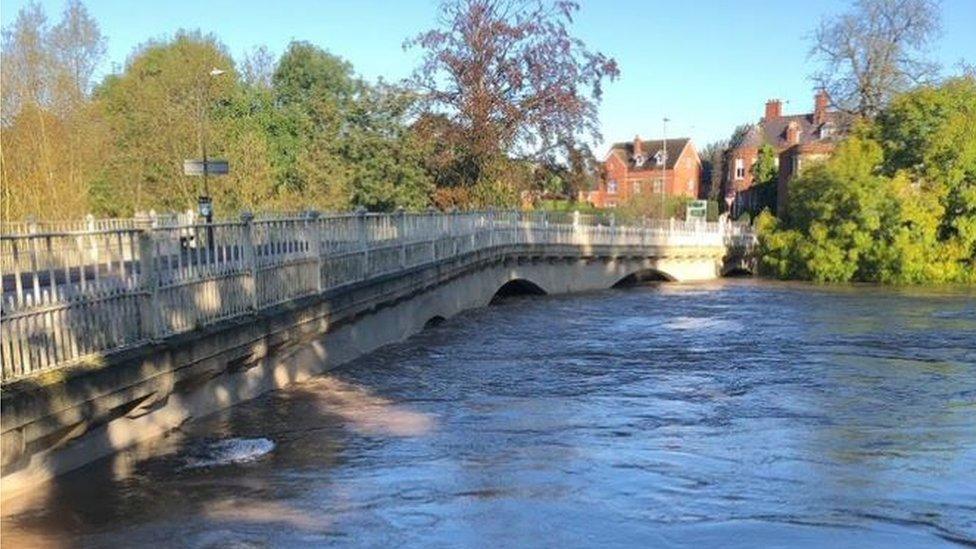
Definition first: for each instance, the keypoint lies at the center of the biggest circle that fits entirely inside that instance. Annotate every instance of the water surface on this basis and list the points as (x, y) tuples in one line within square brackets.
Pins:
[(736, 413)]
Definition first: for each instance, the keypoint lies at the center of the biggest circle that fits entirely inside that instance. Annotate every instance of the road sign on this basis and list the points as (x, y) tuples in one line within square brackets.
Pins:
[(211, 167), (696, 209)]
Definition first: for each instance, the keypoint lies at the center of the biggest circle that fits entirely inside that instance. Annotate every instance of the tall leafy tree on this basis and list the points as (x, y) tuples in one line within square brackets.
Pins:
[(513, 77), (161, 110), (51, 138)]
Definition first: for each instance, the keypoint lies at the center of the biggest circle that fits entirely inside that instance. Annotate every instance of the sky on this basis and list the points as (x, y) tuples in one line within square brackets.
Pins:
[(707, 65)]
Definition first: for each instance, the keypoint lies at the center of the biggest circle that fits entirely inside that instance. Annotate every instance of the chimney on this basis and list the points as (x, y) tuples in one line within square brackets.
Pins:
[(774, 109), (638, 146), (793, 133), (820, 103)]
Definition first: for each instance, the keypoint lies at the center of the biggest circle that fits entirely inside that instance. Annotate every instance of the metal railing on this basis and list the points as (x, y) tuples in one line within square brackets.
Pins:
[(70, 294)]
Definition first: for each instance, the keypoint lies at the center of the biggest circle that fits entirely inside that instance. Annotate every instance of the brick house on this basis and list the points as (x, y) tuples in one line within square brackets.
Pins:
[(640, 167), (798, 139)]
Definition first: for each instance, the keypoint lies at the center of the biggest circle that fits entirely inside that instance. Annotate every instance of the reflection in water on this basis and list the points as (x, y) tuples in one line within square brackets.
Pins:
[(735, 414)]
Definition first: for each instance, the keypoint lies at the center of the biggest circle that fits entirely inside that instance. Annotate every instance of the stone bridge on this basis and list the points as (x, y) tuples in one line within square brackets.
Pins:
[(115, 336)]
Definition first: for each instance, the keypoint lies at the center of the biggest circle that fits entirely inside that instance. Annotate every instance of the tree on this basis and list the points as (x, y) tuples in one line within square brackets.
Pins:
[(896, 203), (874, 52), (765, 170), (713, 167), (386, 158), (51, 138), (314, 90), (931, 133), (510, 74), (157, 111)]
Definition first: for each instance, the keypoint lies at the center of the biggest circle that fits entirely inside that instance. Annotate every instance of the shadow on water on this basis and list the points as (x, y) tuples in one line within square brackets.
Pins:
[(207, 475)]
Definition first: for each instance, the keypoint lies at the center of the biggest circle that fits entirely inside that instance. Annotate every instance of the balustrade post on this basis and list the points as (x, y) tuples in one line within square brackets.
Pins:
[(491, 227), (519, 228), (576, 224), (249, 258), (148, 281), (613, 228), (363, 240), (401, 223), (452, 231), (316, 243), (433, 233)]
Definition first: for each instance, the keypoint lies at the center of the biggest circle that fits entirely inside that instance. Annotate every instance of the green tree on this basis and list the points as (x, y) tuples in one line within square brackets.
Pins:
[(766, 168), (158, 111), (895, 202), (931, 133)]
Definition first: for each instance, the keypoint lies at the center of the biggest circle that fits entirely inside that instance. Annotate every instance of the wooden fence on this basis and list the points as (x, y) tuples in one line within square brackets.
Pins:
[(71, 292)]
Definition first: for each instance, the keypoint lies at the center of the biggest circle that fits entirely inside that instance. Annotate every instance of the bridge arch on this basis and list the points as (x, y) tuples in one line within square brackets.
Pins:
[(434, 321), (517, 287), (737, 271), (642, 276)]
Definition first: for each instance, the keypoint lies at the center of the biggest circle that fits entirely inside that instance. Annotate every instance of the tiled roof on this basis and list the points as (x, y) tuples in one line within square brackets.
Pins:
[(625, 152), (774, 131)]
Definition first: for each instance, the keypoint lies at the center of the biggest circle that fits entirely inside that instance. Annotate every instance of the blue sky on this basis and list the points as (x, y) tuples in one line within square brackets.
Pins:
[(709, 68)]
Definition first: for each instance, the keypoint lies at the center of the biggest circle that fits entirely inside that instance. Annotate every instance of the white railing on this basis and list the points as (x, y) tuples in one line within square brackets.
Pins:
[(70, 294)]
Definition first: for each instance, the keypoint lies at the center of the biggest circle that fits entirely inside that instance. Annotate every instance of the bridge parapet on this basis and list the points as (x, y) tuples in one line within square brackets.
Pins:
[(71, 295)]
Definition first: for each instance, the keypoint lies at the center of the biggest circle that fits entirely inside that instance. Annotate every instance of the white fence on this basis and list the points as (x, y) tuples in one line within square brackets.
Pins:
[(71, 293)]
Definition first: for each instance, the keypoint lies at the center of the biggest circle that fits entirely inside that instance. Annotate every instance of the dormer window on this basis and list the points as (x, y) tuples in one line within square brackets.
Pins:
[(639, 160), (826, 131), (659, 158)]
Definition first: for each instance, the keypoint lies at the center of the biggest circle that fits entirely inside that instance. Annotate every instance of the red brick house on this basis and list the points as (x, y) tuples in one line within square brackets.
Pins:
[(797, 139), (641, 167)]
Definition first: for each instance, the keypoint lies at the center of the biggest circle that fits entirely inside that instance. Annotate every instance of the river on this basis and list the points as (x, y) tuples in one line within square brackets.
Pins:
[(738, 413)]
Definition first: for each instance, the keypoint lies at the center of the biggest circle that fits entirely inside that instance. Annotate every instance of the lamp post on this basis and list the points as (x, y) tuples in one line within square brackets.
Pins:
[(205, 202)]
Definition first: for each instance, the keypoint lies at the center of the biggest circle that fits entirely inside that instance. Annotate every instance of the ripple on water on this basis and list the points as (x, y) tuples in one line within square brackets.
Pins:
[(229, 451)]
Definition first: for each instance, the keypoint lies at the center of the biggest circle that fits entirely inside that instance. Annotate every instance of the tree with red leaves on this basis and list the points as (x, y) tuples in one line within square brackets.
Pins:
[(513, 78)]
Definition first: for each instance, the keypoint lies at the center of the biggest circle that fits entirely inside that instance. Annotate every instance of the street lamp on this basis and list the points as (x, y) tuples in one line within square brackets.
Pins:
[(205, 202)]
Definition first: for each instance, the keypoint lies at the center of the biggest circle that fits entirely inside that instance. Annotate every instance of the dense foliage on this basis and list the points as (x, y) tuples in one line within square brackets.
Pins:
[(896, 203), (300, 131)]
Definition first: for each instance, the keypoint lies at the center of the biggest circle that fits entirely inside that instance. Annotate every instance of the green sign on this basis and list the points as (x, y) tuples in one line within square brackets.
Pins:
[(697, 209)]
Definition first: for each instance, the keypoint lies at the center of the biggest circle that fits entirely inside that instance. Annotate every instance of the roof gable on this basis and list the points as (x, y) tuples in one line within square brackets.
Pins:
[(625, 152)]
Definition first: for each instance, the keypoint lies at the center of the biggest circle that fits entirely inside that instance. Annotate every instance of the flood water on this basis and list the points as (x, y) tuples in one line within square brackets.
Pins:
[(735, 413)]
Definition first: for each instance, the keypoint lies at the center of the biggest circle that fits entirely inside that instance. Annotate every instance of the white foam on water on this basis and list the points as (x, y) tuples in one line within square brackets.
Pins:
[(699, 323), (231, 450)]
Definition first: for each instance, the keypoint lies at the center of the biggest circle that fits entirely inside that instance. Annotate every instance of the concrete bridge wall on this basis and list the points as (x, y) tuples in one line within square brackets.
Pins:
[(58, 422)]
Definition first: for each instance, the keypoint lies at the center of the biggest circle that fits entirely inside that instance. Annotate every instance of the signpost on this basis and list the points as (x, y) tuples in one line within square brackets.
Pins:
[(696, 210), (210, 167), (205, 168)]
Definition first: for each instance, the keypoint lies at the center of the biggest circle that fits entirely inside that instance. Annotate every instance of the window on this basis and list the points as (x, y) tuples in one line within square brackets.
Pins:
[(740, 169), (691, 186), (659, 158), (658, 186), (639, 160), (826, 131), (637, 187), (611, 204), (612, 186)]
